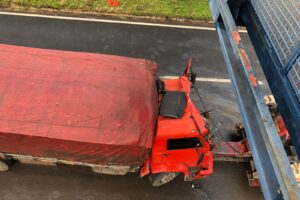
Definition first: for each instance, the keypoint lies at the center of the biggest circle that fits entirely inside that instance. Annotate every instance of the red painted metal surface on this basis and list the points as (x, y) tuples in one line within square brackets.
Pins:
[(191, 125), (238, 149), (281, 128), (85, 107)]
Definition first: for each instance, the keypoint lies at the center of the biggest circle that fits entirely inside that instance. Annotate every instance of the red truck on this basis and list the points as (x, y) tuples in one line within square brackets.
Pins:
[(109, 113)]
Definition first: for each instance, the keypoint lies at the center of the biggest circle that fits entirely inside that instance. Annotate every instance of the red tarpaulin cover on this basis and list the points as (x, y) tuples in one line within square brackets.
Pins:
[(86, 107)]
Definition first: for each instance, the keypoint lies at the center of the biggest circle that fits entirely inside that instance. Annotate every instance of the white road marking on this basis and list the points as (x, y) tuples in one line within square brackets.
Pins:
[(202, 79), (112, 21)]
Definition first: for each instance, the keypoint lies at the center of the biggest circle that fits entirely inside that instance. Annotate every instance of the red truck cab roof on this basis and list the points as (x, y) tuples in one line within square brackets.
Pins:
[(186, 125)]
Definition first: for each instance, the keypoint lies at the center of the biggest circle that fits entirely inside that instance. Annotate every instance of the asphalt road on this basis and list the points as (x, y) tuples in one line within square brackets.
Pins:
[(169, 47)]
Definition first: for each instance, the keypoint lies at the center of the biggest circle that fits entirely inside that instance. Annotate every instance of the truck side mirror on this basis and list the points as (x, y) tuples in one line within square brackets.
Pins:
[(188, 72), (193, 78)]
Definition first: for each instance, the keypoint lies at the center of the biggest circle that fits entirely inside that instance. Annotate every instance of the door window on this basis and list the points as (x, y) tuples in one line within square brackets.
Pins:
[(183, 143)]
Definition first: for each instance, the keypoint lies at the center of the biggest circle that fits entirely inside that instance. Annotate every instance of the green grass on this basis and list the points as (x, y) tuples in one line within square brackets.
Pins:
[(188, 9), (5, 3)]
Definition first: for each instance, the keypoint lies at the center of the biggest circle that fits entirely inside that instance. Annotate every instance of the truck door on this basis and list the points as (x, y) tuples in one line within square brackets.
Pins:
[(183, 150)]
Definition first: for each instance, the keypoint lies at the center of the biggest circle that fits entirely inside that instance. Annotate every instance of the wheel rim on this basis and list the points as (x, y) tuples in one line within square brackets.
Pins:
[(167, 178)]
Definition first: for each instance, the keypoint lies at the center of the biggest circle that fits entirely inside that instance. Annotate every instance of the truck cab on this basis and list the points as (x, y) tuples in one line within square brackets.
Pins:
[(180, 144)]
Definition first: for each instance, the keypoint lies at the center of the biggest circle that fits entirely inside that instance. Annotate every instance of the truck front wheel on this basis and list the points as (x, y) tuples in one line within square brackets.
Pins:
[(160, 179)]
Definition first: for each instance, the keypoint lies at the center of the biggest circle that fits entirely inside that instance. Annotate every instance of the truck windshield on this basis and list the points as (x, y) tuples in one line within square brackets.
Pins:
[(183, 143)]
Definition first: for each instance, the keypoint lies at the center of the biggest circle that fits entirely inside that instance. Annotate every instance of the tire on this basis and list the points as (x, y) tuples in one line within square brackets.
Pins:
[(5, 165), (160, 179)]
